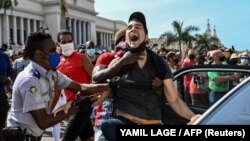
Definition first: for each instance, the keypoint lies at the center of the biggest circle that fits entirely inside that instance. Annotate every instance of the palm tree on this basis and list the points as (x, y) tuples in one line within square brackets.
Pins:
[(179, 34), (64, 10), (205, 43), (7, 4), (168, 38)]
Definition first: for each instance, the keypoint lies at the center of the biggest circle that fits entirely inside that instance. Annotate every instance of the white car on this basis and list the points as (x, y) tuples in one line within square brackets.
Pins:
[(232, 108)]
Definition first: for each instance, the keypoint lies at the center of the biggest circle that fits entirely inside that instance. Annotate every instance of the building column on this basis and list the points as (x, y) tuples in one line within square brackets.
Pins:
[(109, 45), (103, 39), (6, 29), (34, 26), (109, 38), (80, 32), (112, 40), (14, 30), (21, 30), (69, 28), (28, 26), (75, 34), (84, 32), (89, 31)]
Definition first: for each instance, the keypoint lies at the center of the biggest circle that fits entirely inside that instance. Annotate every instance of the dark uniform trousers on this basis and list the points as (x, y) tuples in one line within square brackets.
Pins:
[(32, 138)]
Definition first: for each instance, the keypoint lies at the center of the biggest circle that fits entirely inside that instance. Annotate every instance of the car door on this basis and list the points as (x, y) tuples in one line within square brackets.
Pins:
[(235, 106), (170, 117)]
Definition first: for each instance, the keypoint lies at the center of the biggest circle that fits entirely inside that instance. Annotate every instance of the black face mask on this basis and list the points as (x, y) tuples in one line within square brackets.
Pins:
[(191, 56), (234, 62), (176, 60), (139, 49), (164, 57), (222, 58)]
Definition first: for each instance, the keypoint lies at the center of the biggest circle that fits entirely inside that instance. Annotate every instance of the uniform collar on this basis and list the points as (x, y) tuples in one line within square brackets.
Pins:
[(42, 71)]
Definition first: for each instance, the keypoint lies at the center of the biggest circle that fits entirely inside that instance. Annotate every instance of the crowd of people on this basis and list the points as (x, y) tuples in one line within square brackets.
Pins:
[(96, 90)]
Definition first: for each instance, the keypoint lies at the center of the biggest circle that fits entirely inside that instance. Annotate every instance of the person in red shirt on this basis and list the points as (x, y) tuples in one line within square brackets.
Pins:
[(104, 111), (79, 68), (188, 62)]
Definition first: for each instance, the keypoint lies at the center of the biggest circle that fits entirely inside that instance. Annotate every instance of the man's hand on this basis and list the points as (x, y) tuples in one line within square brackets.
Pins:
[(193, 119), (64, 108), (98, 99), (157, 82), (130, 57)]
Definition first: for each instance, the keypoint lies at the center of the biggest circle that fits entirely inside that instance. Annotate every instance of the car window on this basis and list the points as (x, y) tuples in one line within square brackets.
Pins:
[(206, 86), (234, 110)]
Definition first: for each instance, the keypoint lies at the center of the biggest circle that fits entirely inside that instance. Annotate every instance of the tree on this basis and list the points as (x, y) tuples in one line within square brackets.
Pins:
[(205, 43), (7, 4), (179, 34), (64, 10)]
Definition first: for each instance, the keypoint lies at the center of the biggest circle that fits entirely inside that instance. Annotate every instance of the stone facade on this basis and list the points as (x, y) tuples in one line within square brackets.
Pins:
[(44, 15)]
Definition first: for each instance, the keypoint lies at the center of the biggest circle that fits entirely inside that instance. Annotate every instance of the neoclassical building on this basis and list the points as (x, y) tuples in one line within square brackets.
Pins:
[(34, 15)]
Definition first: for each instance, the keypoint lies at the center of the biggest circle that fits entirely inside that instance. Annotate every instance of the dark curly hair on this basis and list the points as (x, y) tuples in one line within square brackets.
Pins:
[(35, 42), (64, 32)]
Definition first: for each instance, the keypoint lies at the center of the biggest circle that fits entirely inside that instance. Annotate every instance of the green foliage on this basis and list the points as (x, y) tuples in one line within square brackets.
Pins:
[(205, 43), (179, 35), (7, 4), (64, 7)]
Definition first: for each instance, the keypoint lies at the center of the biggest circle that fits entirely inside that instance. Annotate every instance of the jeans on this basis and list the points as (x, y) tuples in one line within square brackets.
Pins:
[(214, 96), (108, 127), (98, 135), (79, 125)]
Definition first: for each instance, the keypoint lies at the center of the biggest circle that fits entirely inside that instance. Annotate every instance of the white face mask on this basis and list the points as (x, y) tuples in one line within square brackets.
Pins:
[(244, 61), (67, 49)]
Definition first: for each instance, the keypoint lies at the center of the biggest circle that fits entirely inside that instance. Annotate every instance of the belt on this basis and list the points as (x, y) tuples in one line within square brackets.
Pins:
[(137, 120), (32, 138)]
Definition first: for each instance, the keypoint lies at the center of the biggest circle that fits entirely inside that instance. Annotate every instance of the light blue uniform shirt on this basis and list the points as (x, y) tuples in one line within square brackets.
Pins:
[(32, 90)]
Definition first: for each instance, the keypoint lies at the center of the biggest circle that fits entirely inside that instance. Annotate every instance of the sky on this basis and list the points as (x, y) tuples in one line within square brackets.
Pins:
[(231, 18)]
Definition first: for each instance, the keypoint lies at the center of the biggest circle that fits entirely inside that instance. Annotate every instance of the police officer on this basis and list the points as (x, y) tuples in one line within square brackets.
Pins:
[(34, 89)]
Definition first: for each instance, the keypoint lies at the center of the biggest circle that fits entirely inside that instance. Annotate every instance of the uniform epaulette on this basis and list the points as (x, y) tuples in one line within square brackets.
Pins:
[(36, 74)]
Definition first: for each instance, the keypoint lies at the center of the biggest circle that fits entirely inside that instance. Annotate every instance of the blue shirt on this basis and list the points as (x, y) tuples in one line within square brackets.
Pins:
[(5, 69)]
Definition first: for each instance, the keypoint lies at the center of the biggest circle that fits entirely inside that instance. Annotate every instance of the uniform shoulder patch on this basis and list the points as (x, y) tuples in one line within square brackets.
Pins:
[(54, 78), (33, 89), (36, 74)]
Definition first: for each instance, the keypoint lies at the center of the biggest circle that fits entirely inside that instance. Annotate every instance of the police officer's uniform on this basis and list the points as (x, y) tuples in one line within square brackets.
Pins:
[(33, 89)]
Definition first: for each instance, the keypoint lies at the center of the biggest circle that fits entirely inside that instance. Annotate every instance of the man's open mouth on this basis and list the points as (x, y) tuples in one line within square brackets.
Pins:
[(134, 37)]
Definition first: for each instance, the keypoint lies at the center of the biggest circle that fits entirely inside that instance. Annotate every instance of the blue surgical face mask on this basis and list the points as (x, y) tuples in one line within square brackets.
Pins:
[(244, 61), (91, 52), (54, 60)]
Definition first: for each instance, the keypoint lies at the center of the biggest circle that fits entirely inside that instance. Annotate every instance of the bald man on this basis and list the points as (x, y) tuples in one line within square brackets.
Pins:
[(219, 81)]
